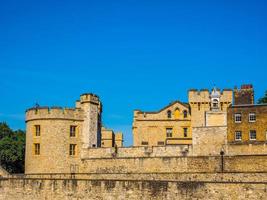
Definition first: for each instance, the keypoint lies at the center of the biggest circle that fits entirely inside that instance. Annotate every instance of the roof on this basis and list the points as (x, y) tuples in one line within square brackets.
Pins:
[(171, 104)]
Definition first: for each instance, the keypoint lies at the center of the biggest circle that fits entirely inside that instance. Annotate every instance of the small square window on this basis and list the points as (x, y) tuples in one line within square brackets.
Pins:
[(252, 135), (72, 149), (252, 117), (37, 130), (37, 148), (169, 132), (160, 143), (144, 143), (72, 131), (238, 135), (238, 118)]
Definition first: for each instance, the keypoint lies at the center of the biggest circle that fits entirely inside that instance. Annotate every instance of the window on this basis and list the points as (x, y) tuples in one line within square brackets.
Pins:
[(73, 149), (144, 143), (252, 135), (252, 117), (215, 103), (198, 105), (169, 132), (160, 143), (185, 132), (72, 131), (169, 114), (238, 135), (37, 149), (185, 114), (37, 130), (238, 118)]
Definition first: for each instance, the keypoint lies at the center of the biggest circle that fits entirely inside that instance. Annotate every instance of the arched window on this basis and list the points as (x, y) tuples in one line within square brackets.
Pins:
[(176, 113), (215, 103), (169, 114), (185, 113)]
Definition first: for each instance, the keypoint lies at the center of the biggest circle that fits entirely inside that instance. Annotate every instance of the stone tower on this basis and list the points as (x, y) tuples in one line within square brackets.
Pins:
[(203, 101), (245, 95), (91, 128), (56, 137)]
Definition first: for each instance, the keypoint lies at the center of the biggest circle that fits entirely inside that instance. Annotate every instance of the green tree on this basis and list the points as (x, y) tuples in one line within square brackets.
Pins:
[(12, 149), (263, 99)]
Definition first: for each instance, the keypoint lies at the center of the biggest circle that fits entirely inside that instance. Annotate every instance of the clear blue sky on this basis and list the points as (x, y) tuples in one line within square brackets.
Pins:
[(133, 54)]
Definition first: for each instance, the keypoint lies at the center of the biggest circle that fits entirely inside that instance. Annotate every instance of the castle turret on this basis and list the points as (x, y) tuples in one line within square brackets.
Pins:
[(91, 132), (245, 95)]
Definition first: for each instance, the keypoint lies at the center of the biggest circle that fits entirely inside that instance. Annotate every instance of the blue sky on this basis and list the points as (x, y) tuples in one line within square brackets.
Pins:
[(133, 54)]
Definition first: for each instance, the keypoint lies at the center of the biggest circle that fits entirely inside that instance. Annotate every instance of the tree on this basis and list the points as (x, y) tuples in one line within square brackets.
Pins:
[(12, 149), (5, 130), (263, 99)]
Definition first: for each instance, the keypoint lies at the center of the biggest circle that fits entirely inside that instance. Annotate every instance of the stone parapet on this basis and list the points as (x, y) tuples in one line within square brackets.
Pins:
[(39, 113)]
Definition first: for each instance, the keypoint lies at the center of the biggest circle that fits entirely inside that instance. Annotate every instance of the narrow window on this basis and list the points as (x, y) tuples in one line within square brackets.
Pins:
[(72, 131), (252, 117), (37, 130), (144, 143), (185, 114), (37, 149), (198, 106), (169, 132), (238, 135), (252, 135), (238, 118), (73, 149), (169, 114), (185, 132), (215, 103)]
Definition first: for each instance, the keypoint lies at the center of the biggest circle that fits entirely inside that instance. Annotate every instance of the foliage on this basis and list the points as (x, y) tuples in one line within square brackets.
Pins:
[(12, 149), (263, 99)]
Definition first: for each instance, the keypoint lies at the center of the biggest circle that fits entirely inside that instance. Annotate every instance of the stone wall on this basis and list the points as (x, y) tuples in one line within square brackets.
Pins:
[(66, 189), (209, 140), (246, 149)]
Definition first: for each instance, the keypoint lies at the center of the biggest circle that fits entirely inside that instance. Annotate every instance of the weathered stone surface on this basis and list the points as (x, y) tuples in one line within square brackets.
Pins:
[(42, 189)]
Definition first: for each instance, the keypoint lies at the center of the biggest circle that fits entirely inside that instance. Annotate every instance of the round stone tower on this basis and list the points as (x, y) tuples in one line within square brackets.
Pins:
[(55, 136)]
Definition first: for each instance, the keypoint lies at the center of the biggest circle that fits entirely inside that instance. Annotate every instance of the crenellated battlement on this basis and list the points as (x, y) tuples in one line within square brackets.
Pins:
[(89, 98), (203, 95), (54, 113)]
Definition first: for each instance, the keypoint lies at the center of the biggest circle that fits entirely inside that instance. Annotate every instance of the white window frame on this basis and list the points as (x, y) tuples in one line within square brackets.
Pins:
[(238, 132), (250, 115), (250, 133), (238, 115), (169, 132)]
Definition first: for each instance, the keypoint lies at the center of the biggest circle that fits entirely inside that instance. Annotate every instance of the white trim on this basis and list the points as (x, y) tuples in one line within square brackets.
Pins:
[(235, 116), (252, 114), (250, 135)]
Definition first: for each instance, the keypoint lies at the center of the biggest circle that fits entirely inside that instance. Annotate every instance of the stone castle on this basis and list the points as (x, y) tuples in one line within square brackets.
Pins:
[(213, 147)]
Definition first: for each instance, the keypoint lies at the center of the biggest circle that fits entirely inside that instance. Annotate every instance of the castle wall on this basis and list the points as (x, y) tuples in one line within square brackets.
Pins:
[(209, 140), (135, 152), (226, 187), (216, 118), (247, 149), (176, 164)]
